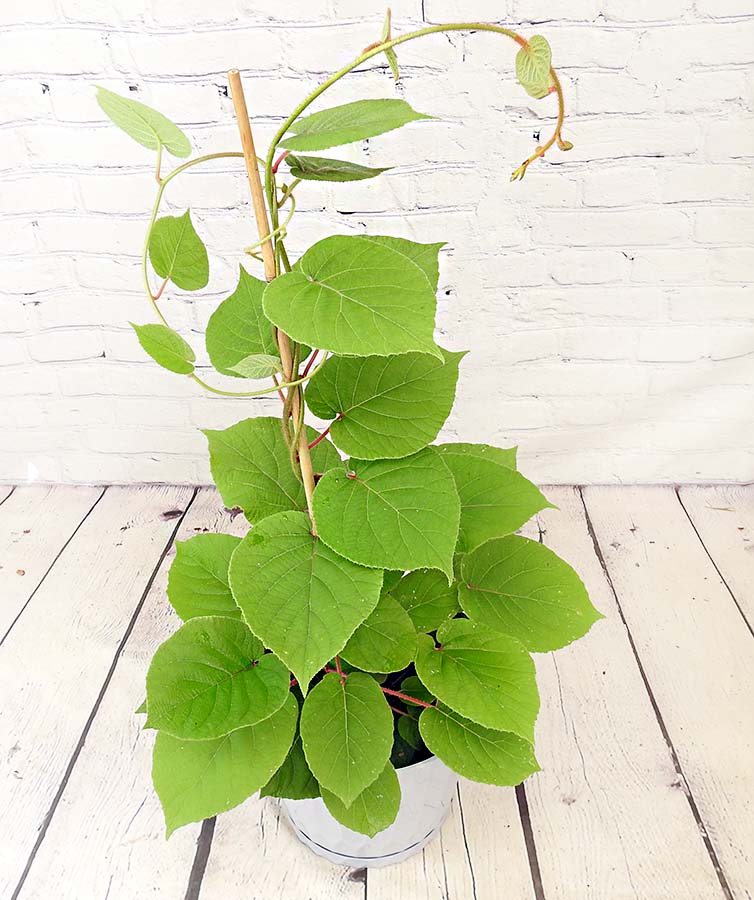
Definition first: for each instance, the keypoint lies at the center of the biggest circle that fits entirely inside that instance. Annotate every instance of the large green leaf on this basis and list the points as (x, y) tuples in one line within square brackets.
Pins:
[(394, 513), (385, 641), (144, 124), (318, 168), (347, 730), (166, 347), (198, 579), (294, 779), (374, 809), (355, 297), (177, 252), (495, 500), (423, 256), (198, 779), (520, 587), (348, 123), (427, 597), (476, 752), (503, 456), (485, 676), (533, 66), (251, 467), (303, 600), (238, 328), (386, 406), (211, 677)]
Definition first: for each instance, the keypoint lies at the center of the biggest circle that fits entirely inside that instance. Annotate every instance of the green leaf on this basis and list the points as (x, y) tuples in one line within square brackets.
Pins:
[(142, 708), (533, 66), (177, 252), (503, 456), (251, 467), (355, 297), (476, 752), (199, 779), (347, 730), (166, 347), (427, 598), (258, 365), (144, 124), (198, 578), (348, 123), (385, 641), (373, 810), (520, 587), (390, 579), (402, 753), (294, 779), (303, 600), (391, 513), (423, 256), (485, 676), (408, 729), (238, 328), (495, 500), (386, 406), (211, 677), (413, 687), (392, 61), (319, 168)]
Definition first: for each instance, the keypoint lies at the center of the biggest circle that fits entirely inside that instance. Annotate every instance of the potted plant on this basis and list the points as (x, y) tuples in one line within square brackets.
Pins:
[(370, 637)]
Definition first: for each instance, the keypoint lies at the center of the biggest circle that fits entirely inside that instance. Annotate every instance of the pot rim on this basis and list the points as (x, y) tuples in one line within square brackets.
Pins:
[(418, 765)]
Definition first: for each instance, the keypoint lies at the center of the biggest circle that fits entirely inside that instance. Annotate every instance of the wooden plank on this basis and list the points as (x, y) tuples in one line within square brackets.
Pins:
[(608, 813), (108, 832), (696, 653), (723, 516), (56, 660), (35, 523)]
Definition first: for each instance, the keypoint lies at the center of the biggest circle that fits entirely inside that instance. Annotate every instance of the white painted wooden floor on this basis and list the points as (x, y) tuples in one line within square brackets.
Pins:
[(646, 735)]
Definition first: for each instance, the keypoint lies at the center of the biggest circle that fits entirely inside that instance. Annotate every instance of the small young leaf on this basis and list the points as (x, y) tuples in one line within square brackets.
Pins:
[(353, 718), (427, 598), (520, 587), (392, 61), (166, 347), (373, 810), (485, 676), (385, 641), (386, 406), (212, 677), (198, 578), (258, 365), (238, 328), (144, 124), (387, 513), (294, 779), (476, 752), (348, 123), (251, 467), (533, 66), (177, 252), (303, 600), (355, 296), (319, 168), (495, 500), (199, 779)]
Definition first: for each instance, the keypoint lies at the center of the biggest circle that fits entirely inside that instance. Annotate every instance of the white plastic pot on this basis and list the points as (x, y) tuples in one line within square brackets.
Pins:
[(426, 791)]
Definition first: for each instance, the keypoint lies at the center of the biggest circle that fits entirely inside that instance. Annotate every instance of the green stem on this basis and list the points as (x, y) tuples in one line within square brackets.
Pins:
[(260, 393)]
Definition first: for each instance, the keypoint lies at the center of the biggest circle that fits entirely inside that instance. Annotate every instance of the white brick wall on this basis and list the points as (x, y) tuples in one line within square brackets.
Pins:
[(606, 300)]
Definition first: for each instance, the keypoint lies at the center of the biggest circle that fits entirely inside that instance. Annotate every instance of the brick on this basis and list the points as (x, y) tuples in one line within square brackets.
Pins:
[(732, 138), (19, 12), (24, 99), (695, 182), (615, 92), (63, 51), (37, 193), (674, 344), (733, 264), (18, 236), (724, 224), (29, 275), (681, 266), (645, 10), (587, 266), (59, 346), (542, 11), (96, 12), (712, 303), (610, 228), (620, 185)]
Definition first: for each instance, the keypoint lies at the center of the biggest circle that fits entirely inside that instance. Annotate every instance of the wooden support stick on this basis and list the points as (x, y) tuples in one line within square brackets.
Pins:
[(270, 271)]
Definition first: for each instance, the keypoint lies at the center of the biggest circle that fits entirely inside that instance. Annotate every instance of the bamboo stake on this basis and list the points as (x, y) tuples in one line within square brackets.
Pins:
[(268, 256)]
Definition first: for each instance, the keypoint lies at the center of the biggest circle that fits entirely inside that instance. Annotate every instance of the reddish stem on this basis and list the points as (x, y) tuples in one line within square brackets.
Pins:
[(339, 670), (280, 393), (161, 289), (293, 683), (310, 363), (321, 437), (405, 697), (400, 712), (277, 162)]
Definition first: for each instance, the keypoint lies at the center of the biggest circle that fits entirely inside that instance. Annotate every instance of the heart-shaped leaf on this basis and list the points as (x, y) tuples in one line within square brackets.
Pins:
[(476, 752), (485, 676), (319, 168), (176, 252), (211, 677), (303, 600), (294, 779), (198, 579), (347, 731), (374, 809), (427, 598), (166, 347), (385, 641), (533, 66), (251, 467), (355, 297), (389, 513), (144, 124), (386, 406), (199, 779), (348, 123), (520, 587)]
